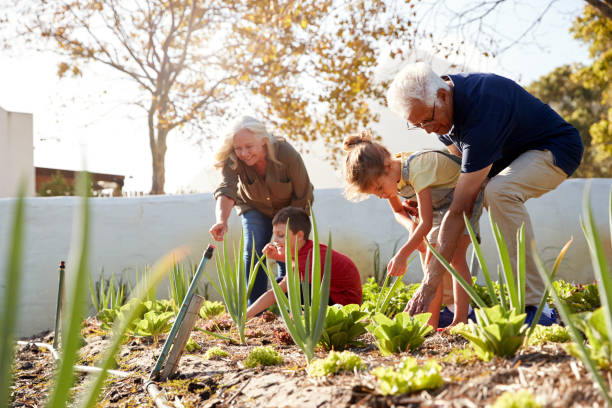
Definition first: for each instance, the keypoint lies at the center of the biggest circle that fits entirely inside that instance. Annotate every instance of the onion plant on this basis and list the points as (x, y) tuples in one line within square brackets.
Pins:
[(107, 293), (12, 280), (180, 279), (600, 329), (233, 285), (489, 335), (304, 324)]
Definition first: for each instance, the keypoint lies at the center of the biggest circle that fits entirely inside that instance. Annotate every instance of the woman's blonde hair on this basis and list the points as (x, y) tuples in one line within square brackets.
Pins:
[(226, 149), (365, 163)]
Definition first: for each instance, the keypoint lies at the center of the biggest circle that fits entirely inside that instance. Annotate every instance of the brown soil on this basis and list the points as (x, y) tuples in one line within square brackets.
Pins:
[(554, 377)]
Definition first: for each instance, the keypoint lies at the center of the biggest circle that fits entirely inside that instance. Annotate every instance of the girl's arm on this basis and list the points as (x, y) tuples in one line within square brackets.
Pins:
[(397, 264), (400, 213)]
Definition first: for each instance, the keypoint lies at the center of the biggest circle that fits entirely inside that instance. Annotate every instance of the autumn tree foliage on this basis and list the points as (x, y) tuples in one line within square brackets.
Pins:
[(305, 66)]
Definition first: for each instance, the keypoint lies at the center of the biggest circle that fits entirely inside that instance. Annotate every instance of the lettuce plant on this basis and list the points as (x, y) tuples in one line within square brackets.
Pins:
[(335, 362), (263, 356), (211, 309), (597, 353), (408, 376), (400, 334), (516, 399), (580, 298), (552, 334), (503, 336), (389, 300), (214, 353), (153, 324), (304, 322), (599, 348), (342, 326)]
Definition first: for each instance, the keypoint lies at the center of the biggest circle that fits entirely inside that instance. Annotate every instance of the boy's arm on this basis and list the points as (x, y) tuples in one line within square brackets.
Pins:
[(397, 264), (265, 301)]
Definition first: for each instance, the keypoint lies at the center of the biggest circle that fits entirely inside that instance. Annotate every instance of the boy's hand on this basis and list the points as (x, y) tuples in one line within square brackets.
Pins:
[(397, 265), (274, 251)]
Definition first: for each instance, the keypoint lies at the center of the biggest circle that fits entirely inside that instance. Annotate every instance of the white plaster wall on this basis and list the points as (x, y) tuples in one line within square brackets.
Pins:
[(128, 233), (16, 152)]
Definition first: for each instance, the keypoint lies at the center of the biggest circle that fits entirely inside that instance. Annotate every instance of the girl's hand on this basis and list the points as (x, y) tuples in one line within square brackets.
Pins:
[(274, 251), (411, 207), (397, 265)]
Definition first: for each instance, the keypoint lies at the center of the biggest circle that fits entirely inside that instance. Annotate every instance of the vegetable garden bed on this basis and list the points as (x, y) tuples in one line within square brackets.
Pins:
[(555, 378)]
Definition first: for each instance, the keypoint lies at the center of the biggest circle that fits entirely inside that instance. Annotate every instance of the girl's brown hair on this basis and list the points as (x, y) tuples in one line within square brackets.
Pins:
[(365, 163)]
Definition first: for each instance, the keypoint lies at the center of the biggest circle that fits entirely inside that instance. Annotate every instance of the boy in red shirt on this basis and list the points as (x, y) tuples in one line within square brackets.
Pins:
[(345, 282)]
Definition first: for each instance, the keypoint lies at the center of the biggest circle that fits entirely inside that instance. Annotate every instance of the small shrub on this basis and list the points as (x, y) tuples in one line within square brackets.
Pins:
[(211, 309), (578, 298), (342, 326), (334, 362), (402, 293), (262, 356), (552, 334), (408, 377), (516, 399), (400, 334), (215, 353), (153, 324)]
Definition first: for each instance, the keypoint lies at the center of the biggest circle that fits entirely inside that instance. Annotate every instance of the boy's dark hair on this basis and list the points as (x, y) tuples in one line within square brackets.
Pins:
[(298, 220)]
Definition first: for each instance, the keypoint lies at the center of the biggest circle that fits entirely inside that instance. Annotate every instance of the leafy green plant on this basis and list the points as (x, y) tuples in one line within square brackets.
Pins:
[(488, 336), (304, 324), (400, 334), (192, 345), (600, 329), (214, 353), (153, 324), (106, 293), (503, 336), (550, 334), (599, 348), (263, 356), (180, 279), (233, 284), (408, 376), (211, 309), (335, 362), (516, 399), (396, 296), (342, 326), (578, 298)]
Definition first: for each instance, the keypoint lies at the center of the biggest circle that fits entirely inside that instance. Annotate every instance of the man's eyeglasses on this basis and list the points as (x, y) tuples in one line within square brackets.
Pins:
[(425, 122)]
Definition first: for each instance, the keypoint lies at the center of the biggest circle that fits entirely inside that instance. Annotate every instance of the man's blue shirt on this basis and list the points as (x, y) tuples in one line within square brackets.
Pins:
[(496, 120)]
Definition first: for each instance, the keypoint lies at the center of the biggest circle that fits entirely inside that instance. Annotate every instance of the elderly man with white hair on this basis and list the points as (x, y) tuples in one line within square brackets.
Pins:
[(508, 140)]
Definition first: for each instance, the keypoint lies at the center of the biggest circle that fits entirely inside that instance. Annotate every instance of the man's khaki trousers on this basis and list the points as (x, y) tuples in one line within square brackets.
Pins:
[(530, 175)]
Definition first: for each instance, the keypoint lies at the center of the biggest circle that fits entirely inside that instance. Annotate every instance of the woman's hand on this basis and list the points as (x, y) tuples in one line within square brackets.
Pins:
[(218, 230), (274, 251), (397, 265)]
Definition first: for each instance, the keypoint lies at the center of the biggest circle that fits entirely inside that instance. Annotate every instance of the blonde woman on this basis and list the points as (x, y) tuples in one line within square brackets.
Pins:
[(261, 174)]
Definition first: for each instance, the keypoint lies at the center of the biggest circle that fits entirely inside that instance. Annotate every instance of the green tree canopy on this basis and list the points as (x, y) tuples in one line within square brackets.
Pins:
[(582, 93)]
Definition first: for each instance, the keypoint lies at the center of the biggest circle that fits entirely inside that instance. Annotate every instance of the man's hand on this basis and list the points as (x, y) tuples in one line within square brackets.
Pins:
[(397, 265), (218, 231), (274, 251), (419, 303)]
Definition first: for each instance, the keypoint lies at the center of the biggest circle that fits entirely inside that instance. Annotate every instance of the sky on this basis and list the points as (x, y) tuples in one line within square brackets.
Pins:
[(85, 119)]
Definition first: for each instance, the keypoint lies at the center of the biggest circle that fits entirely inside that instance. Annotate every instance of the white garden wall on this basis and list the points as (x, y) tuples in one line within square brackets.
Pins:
[(128, 233)]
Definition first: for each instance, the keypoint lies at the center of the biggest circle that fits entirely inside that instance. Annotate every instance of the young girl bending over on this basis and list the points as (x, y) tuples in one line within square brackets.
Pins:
[(431, 175)]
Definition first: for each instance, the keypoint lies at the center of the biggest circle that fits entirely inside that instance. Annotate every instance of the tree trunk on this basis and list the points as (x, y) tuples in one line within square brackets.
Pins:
[(158, 155)]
